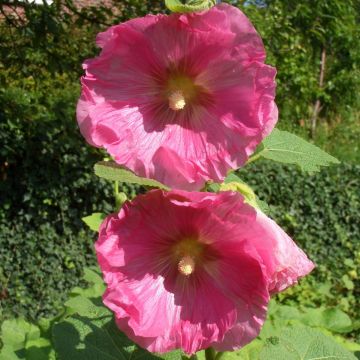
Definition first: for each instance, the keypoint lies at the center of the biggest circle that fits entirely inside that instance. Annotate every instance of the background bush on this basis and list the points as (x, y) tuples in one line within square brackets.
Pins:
[(46, 178), (321, 213)]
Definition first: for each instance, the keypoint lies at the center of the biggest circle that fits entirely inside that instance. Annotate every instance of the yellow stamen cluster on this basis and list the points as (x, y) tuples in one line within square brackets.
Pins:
[(186, 265), (177, 100), (187, 253)]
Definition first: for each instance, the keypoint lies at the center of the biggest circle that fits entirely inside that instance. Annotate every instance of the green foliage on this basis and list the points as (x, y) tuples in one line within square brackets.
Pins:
[(283, 147), (22, 340), (295, 34), (321, 213), (111, 171), (85, 329), (300, 342), (283, 324), (94, 220), (189, 5), (92, 336), (233, 183), (341, 138), (46, 179)]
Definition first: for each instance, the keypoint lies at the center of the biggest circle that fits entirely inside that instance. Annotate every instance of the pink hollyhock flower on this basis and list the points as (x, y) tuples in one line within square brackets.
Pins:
[(180, 98), (194, 270)]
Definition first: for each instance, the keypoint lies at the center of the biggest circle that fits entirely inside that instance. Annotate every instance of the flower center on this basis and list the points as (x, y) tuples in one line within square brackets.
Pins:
[(187, 253), (180, 91), (177, 100), (186, 265)]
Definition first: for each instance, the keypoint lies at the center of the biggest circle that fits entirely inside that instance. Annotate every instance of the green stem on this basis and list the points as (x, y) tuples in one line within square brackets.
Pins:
[(219, 355), (254, 157), (116, 193), (210, 354)]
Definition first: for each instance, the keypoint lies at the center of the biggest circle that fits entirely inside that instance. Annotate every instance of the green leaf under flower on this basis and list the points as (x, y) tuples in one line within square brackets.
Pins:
[(189, 5), (111, 171), (301, 342), (284, 147), (23, 340), (91, 333), (234, 183)]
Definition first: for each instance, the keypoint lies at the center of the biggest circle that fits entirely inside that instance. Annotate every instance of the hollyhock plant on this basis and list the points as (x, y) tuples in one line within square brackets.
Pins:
[(192, 270), (180, 98)]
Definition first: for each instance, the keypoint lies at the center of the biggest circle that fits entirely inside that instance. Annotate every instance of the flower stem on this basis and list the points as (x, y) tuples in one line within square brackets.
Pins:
[(254, 157), (210, 354), (116, 194), (219, 355)]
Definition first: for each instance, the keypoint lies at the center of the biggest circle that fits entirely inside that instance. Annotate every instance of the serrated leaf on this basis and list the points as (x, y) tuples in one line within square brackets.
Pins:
[(96, 336), (284, 147), (94, 221), (301, 342), (111, 171), (190, 5)]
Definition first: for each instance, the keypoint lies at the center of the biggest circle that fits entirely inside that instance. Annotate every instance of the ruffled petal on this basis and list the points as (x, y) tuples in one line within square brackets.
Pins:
[(287, 262), (124, 106)]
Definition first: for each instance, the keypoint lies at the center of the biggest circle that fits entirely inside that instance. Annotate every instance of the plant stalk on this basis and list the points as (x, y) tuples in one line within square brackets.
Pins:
[(116, 194), (254, 157), (317, 106), (210, 354)]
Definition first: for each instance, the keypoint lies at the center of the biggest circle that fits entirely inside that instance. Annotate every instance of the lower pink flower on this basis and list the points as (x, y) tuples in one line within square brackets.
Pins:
[(194, 270)]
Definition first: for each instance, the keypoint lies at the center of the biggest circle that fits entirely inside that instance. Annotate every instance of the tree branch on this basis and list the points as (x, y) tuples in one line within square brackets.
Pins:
[(317, 106)]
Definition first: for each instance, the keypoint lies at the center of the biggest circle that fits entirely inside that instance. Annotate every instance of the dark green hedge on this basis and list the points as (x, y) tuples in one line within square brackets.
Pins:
[(321, 212), (46, 187)]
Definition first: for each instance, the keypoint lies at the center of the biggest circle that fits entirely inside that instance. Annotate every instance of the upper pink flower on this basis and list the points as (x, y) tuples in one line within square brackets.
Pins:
[(194, 270), (180, 98)]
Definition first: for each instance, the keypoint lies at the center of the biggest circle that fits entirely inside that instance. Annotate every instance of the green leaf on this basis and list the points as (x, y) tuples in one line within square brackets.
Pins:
[(248, 352), (95, 288), (95, 336), (81, 305), (8, 353), (16, 332), (234, 183), (190, 5), (111, 171), (39, 349), (283, 147), (303, 343), (333, 319), (347, 282), (93, 275), (94, 220), (23, 340)]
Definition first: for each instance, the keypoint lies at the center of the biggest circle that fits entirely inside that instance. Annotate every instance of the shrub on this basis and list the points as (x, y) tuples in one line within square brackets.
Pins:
[(321, 213)]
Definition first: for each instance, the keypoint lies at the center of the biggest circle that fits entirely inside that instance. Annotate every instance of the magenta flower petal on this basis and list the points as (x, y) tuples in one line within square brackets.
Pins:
[(194, 270), (180, 98)]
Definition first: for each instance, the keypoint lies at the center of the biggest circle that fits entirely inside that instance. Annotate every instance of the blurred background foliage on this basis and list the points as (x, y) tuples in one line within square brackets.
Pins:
[(46, 178)]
